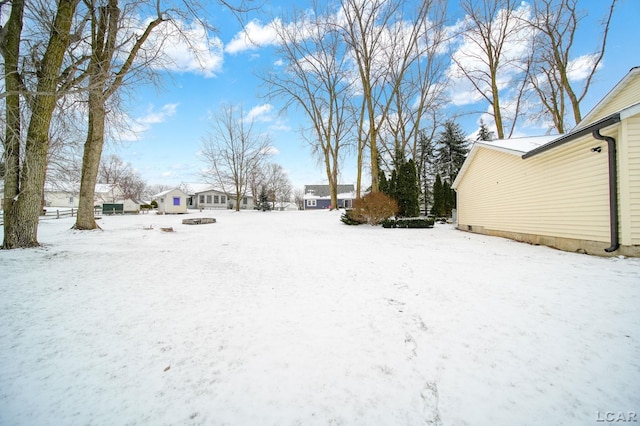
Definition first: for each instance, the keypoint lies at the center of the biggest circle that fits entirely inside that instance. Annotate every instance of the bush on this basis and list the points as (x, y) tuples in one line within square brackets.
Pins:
[(410, 222), (374, 208), (349, 219)]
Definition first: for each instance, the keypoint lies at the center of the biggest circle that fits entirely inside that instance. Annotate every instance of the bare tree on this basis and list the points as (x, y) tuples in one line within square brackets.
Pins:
[(495, 56), (315, 79), (23, 199), (421, 92), (233, 151), (298, 197), (556, 23), (277, 184), (10, 49), (104, 81), (114, 170), (382, 35)]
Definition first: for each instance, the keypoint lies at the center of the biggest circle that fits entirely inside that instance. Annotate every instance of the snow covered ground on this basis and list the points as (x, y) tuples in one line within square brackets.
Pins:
[(292, 318)]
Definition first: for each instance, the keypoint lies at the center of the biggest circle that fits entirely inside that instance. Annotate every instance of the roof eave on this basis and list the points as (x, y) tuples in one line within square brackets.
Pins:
[(600, 124)]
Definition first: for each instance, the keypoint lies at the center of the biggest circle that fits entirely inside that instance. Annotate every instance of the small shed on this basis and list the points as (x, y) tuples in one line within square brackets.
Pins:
[(173, 201)]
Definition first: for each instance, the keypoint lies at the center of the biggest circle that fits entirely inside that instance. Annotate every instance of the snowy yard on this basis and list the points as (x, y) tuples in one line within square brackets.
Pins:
[(292, 318)]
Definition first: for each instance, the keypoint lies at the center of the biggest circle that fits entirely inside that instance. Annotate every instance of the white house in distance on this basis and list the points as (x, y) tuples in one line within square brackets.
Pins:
[(206, 196), (68, 194), (172, 201), (576, 192)]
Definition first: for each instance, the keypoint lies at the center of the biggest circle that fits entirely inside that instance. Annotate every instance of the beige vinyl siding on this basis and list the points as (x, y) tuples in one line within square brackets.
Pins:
[(623, 99), (561, 193), (632, 148)]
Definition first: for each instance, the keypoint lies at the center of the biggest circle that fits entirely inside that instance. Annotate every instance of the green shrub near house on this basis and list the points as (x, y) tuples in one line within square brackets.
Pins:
[(408, 222)]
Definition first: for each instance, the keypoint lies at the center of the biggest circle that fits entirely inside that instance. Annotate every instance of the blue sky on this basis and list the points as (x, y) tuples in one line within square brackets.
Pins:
[(171, 121)]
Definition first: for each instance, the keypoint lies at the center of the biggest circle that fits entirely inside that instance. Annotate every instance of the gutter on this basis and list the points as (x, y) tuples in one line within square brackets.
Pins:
[(613, 189), (594, 130)]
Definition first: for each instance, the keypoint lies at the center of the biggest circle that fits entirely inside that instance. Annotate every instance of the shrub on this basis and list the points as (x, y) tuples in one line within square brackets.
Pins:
[(374, 208), (349, 219), (410, 222)]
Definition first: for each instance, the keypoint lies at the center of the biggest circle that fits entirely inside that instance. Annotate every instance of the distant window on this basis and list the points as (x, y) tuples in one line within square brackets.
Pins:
[(216, 199), (162, 200), (70, 200), (208, 199), (176, 201), (223, 199), (244, 201), (311, 203), (202, 199)]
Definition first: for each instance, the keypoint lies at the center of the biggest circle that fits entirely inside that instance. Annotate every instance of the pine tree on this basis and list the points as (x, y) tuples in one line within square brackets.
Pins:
[(452, 149), (449, 198), (426, 169), (438, 198), (383, 183), (407, 190), (263, 200), (484, 134)]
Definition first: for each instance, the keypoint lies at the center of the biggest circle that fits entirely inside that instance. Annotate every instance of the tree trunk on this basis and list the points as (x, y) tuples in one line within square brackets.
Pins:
[(28, 205), (13, 125), (90, 163)]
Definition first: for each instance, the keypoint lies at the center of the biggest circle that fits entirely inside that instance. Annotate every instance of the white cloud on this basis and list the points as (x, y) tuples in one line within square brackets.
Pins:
[(579, 68), (154, 117), (260, 113), (130, 129), (253, 36), (183, 47)]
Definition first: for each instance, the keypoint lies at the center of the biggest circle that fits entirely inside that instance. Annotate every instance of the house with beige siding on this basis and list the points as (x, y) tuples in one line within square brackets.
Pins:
[(578, 192)]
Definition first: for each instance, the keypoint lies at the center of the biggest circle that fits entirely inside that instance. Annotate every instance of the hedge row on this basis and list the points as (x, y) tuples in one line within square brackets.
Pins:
[(409, 222)]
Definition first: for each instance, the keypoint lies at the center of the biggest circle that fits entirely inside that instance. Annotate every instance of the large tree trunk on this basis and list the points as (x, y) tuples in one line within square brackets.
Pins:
[(91, 163), (27, 207), (13, 125)]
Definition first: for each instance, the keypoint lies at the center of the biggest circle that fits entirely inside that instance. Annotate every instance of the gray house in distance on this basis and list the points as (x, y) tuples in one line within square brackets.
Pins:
[(317, 197)]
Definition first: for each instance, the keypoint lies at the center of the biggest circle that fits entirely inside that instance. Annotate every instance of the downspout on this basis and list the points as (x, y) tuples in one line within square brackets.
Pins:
[(613, 189)]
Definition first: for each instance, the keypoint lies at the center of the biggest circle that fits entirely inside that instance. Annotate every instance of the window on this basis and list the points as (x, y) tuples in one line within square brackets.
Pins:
[(223, 199), (162, 200), (311, 203), (208, 199), (216, 199), (244, 201), (176, 201), (202, 199)]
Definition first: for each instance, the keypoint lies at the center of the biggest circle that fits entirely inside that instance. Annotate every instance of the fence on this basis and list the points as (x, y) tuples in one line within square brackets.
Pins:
[(51, 213)]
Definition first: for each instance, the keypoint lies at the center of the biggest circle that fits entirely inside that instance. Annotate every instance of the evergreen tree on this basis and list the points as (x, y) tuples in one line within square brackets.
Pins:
[(407, 190), (452, 149), (438, 198), (484, 134), (393, 185), (383, 183), (449, 198), (263, 200), (426, 166)]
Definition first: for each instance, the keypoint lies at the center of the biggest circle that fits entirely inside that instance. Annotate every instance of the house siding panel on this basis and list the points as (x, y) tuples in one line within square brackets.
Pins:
[(562, 193), (623, 99), (632, 150)]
